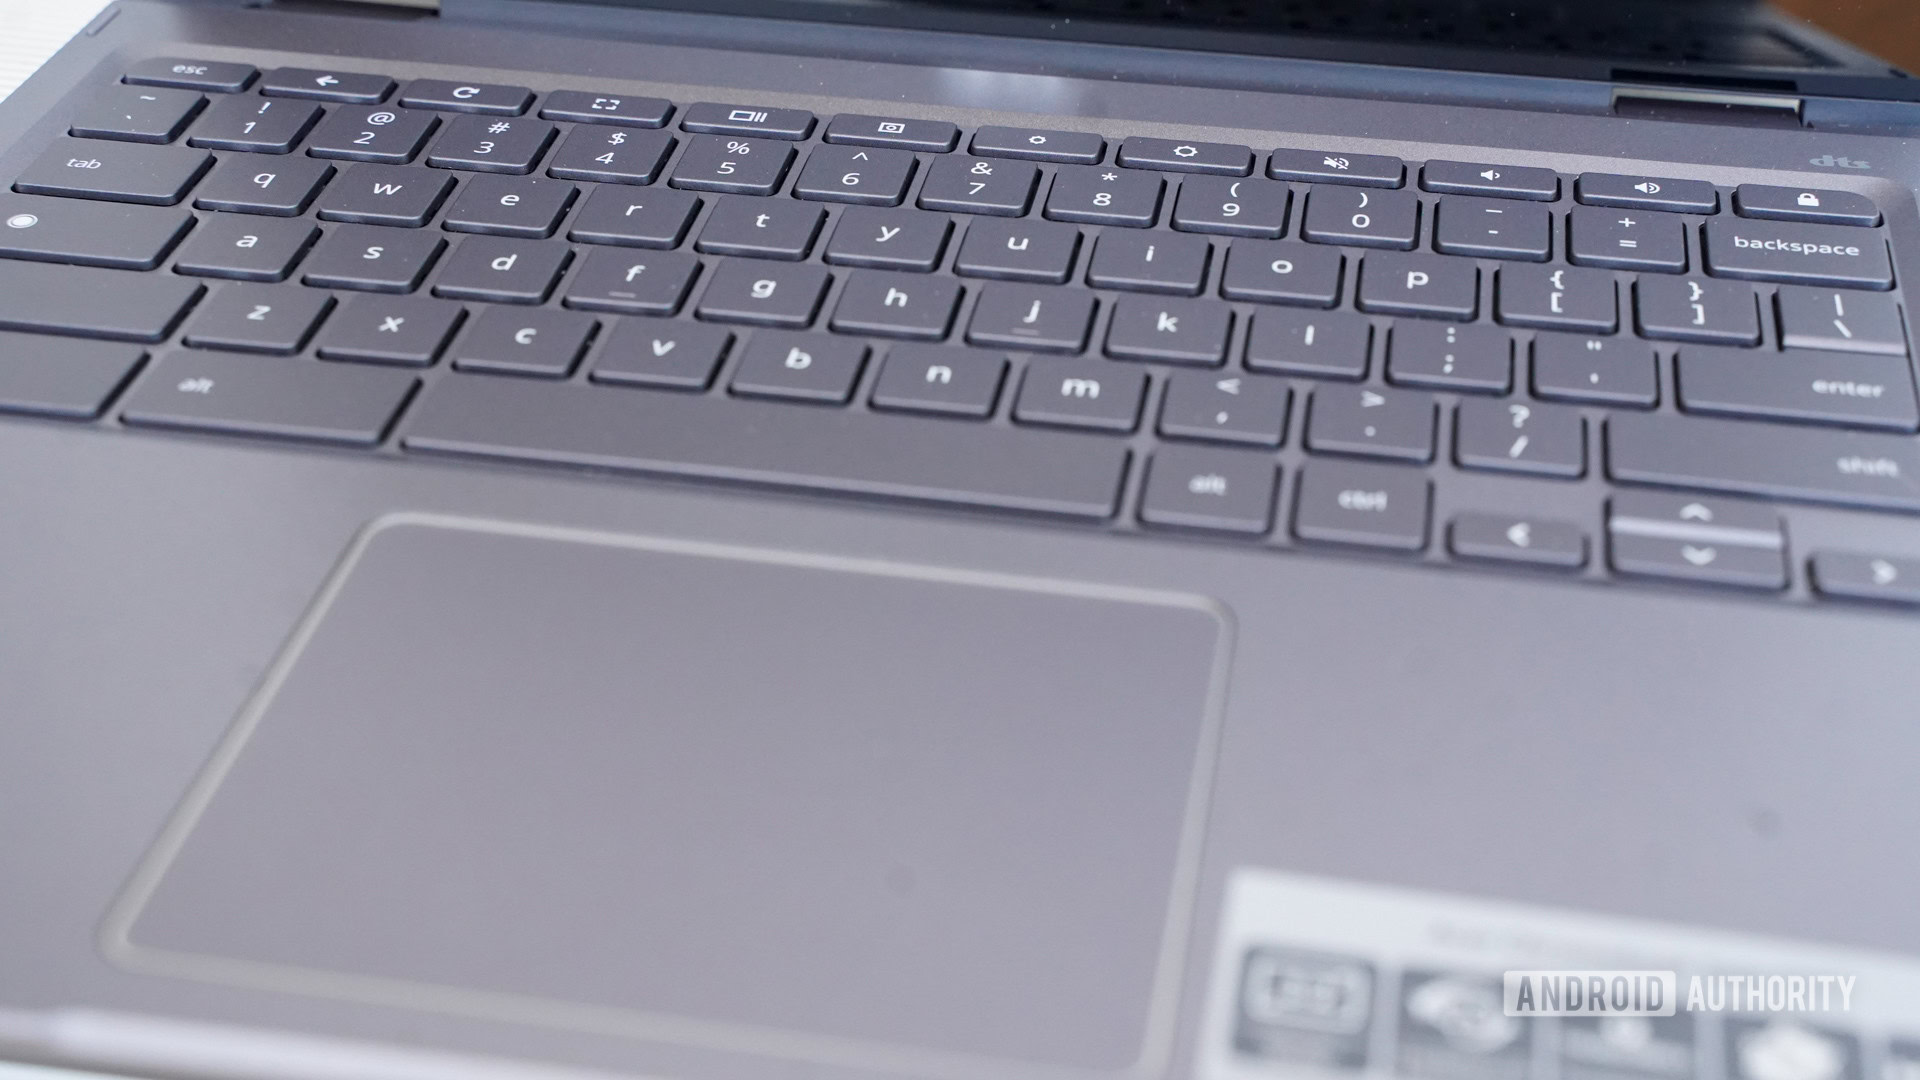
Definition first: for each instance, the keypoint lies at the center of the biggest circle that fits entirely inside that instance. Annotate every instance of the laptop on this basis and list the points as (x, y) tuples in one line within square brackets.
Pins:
[(831, 540)]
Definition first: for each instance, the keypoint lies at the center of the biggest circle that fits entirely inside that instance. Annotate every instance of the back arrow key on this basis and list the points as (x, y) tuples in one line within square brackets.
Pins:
[(326, 85)]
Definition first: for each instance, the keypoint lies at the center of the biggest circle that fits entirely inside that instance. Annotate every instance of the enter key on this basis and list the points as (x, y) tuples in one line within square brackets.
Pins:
[(1848, 389)]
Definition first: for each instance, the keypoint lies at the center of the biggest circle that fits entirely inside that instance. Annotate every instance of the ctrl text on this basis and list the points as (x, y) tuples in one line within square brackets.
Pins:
[(1373, 502)]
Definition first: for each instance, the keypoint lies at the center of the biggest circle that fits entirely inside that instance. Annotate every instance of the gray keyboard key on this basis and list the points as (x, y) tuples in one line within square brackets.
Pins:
[(1220, 159), (518, 341), (1104, 196), (1025, 250), (1149, 262), (115, 172), (1696, 309), (279, 397), (1686, 538), (673, 355), (1283, 272), (1595, 370), (255, 125), (1032, 318), (1509, 436), (1797, 254), (636, 282), (768, 294), (630, 217), (1420, 285), (489, 144), (1850, 389), (1846, 575), (1557, 298), (406, 330), (1360, 170), (257, 318), (888, 239), (528, 206), (502, 270), (1626, 239), (1371, 423), (969, 185), (1839, 320), (136, 114), (1503, 181), (1192, 487), (583, 107), (942, 379), (840, 450), (799, 367), (1081, 393), (1493, 229), (1219, 407), (472, 97), (1381, 219), (372, 259), (1169, 331), (1477, 358), (717, 119), (612, 155), (888, 303), (763, 228), (1850, 468), (66, 300), (385, 195), (1332, 345), (1528, 541), (94, 234), (932, 136), (62, 377), (246, 248), (1349, 502), (1034, 144), (210, 75), (372, 133), (1251, 207), (326, 85), (280, 187), (1804, 204), (856, 174), (740, 166), (1647, 193)]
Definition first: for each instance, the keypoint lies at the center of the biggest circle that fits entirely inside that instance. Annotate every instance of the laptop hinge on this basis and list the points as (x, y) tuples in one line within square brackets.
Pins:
[(1706, 104)]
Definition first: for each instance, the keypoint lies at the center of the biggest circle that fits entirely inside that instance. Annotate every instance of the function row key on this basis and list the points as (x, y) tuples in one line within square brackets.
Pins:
[(1503, 181), (583, 107), (1069, 147), (1799, 204), (1646, 193), (466, 97), (348, 86), (709, 118), (1359, 170), (932, 136), (212, 76), (1195, 157)]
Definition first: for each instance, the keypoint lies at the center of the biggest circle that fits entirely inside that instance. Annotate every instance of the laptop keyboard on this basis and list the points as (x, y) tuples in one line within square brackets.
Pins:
[(1277, 345)]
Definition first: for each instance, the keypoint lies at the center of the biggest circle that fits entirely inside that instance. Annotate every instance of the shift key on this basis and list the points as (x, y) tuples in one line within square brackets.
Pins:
[(309, 400), (1797, 253), (92, 234), (84, 302)]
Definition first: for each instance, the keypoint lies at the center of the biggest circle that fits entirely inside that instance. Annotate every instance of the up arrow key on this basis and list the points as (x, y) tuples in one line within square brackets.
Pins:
[(1695, 512)]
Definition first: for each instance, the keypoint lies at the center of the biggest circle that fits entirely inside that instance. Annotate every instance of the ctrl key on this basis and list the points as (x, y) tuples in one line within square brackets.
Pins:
[(307, 400), (1377, 506)]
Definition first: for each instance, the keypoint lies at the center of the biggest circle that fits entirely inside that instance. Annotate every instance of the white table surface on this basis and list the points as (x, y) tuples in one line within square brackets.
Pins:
[(35, 30)]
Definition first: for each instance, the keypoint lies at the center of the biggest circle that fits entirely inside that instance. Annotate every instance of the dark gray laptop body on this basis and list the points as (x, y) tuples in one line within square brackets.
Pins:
[(662, 757)]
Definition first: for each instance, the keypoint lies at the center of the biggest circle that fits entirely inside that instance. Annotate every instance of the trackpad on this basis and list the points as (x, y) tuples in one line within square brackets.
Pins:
[(887, 816)]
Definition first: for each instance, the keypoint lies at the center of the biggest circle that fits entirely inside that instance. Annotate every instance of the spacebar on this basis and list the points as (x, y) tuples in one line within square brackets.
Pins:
[(807, 446)]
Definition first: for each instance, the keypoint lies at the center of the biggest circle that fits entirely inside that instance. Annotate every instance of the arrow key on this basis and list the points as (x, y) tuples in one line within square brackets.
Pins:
[(1218, 407), (346, 86), (1681, 537), (1841, 575), (1506, 538)]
